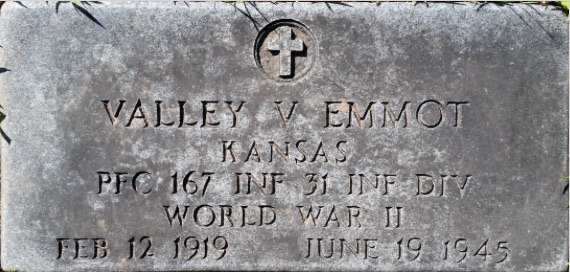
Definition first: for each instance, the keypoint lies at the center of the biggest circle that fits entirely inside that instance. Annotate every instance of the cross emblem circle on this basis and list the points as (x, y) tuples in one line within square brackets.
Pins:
[(285, 50)]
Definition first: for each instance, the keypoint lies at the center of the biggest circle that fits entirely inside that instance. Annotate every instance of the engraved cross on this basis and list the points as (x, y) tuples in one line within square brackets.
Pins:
[(285, 45)]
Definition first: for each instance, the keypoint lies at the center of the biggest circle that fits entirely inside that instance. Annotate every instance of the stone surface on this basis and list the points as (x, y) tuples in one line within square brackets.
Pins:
[(458, 170)]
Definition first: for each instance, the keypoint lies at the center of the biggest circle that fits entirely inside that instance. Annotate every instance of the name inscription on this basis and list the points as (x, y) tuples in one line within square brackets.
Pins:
[(336, 114)]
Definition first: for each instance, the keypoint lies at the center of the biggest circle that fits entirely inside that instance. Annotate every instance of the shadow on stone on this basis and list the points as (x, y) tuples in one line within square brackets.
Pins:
[(336, 3), (186, 3), (20, 3), (4, 135), (247, 13), (80, 8), (521, 17)]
